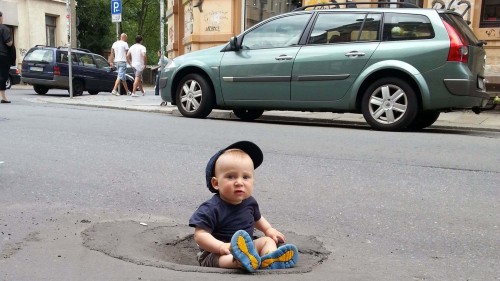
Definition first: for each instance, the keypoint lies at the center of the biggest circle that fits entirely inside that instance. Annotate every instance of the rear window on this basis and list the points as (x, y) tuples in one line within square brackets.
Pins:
[(406, 27), (457, 22), (40, 55), (345, 27)]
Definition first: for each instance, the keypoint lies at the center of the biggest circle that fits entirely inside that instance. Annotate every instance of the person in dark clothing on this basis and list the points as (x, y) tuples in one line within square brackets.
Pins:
[(224, 224), (5, 59)]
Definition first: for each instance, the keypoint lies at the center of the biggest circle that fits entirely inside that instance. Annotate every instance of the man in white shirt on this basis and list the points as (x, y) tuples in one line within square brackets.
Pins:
[(118, 56), (136, 57)]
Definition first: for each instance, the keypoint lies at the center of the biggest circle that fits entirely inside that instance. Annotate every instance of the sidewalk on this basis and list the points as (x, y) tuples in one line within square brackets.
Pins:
[(486, 121)]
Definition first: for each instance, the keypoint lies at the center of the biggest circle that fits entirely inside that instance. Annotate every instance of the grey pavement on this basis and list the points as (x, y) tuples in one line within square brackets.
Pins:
[(465, 120)]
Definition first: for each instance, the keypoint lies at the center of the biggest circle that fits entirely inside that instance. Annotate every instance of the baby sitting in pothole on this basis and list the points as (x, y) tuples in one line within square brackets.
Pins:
[(225, 223)]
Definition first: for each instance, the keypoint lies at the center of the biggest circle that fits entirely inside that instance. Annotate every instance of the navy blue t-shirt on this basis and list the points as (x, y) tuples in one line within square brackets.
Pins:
[(222, 220)]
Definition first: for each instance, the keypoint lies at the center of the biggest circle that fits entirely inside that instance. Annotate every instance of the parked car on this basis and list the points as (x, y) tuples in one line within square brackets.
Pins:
[(399, 67), (47, 68), (14, 77)]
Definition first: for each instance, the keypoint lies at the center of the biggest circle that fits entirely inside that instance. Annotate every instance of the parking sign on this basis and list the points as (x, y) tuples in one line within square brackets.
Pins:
[(116, 10)]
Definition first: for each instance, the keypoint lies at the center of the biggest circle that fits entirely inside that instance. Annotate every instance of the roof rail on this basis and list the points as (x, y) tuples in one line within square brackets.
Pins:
[(352, 4), (40, 46), (79, 49)]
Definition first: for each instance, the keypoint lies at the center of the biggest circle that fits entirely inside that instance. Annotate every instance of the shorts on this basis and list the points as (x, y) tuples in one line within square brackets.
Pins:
[(208, 259), (138, 73), (122, 69)]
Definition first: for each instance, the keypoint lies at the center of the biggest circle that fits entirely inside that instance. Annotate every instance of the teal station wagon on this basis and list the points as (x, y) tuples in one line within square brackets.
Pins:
[(400, 68)]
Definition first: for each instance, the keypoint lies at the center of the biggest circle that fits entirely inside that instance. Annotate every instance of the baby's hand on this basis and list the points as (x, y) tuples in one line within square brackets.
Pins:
[(224, 249), (275, 235)]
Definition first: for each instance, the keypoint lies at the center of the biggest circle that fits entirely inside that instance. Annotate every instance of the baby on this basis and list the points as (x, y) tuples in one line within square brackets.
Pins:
[(224, 224)]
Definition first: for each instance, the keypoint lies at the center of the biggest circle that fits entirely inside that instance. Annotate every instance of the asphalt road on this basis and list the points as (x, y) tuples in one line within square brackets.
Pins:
[(388, 206)]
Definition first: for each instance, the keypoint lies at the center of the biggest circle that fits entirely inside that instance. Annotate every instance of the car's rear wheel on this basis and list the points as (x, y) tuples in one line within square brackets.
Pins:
[(123, 91), (195, 96), (41, 90), (389, 104), (77, 88), (248, 114), (424, 119), (8, 83), (93, 92)]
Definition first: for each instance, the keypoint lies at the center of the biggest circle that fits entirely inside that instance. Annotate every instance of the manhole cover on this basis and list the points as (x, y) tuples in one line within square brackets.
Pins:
[(172, 246)]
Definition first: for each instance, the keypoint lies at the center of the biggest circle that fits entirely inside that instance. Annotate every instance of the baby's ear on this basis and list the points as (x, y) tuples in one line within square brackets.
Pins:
[(214, 183)]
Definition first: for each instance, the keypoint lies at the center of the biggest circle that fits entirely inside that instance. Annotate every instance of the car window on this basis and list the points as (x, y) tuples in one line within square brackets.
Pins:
[(345, 27), (281, 32), (461, 26), (63, 57), (101, 62), (42, 55), (406, 27), (86, 60)]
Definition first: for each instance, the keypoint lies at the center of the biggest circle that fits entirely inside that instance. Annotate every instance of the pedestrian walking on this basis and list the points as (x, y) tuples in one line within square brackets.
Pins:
[(136, 57), (6, 44), (157, 79), (118, 57), (224, 225)]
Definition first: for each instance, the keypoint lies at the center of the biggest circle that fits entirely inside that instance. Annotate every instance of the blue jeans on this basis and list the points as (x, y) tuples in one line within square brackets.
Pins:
[(122, 69)]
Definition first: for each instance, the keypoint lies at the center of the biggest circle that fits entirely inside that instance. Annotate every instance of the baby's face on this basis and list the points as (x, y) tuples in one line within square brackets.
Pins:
[(234, 176)]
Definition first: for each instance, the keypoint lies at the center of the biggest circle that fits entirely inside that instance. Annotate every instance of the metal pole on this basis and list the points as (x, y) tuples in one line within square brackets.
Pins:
[(162, 32), (70, 60), (118, 38)]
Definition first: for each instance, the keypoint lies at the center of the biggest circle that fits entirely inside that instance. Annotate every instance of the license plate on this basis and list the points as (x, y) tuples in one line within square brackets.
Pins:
[(36, 68)]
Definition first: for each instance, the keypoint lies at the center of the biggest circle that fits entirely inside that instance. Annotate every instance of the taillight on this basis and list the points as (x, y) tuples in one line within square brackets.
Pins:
[(459, 52), (17, 71), (57, 70)]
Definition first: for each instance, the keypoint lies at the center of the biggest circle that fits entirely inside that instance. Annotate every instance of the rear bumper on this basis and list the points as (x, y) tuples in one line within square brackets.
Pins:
[(15, 79), (465, 87), (59, 82)]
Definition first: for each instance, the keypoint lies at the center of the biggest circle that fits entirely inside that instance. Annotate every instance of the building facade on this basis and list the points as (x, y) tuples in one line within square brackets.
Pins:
[(199, 24), (37, 22)]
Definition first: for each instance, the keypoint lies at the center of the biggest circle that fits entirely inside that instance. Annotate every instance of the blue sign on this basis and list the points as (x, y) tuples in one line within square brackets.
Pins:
[(116, 7)]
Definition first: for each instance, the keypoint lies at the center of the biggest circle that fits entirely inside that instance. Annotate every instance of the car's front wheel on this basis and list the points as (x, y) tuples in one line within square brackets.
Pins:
[(248, 114), (195, 96), (389, 104), (41, 90), (8, 83), (424, 119)]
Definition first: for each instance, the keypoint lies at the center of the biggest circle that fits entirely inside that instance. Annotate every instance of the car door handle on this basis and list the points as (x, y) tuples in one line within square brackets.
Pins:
[(283, 57), (355, 54)]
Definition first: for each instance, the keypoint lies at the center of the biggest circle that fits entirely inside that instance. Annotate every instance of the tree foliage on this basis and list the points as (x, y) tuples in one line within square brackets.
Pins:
[(97, 33)]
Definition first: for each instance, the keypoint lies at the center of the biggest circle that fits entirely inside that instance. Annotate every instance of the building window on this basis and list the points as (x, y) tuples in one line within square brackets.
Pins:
[(50, 30), (490, 13), (272, 5)]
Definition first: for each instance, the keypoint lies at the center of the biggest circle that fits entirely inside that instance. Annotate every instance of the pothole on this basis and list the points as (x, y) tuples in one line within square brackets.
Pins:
[(172, 246)]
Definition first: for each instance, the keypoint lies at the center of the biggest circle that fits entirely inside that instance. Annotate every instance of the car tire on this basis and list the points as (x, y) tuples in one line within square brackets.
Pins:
[(41, 90), (389, 104), (194, 96), (248, 114), (130, 86), (77, 87), (8, 83), (424, 119), (93, 93)]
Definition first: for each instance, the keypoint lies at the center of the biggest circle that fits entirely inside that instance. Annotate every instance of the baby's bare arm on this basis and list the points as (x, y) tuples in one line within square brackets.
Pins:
[(264, 226), (208, 242)]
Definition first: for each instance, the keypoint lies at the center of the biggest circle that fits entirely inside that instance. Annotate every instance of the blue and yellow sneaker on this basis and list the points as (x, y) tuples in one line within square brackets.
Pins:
[(244, 251), (285, 256)]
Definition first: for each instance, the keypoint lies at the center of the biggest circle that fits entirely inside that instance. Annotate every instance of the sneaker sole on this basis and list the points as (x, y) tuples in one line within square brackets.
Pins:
[(285, 256), (244, 251)]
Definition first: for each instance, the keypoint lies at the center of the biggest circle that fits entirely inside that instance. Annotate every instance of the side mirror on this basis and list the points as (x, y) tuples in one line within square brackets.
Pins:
[(233, 44)]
